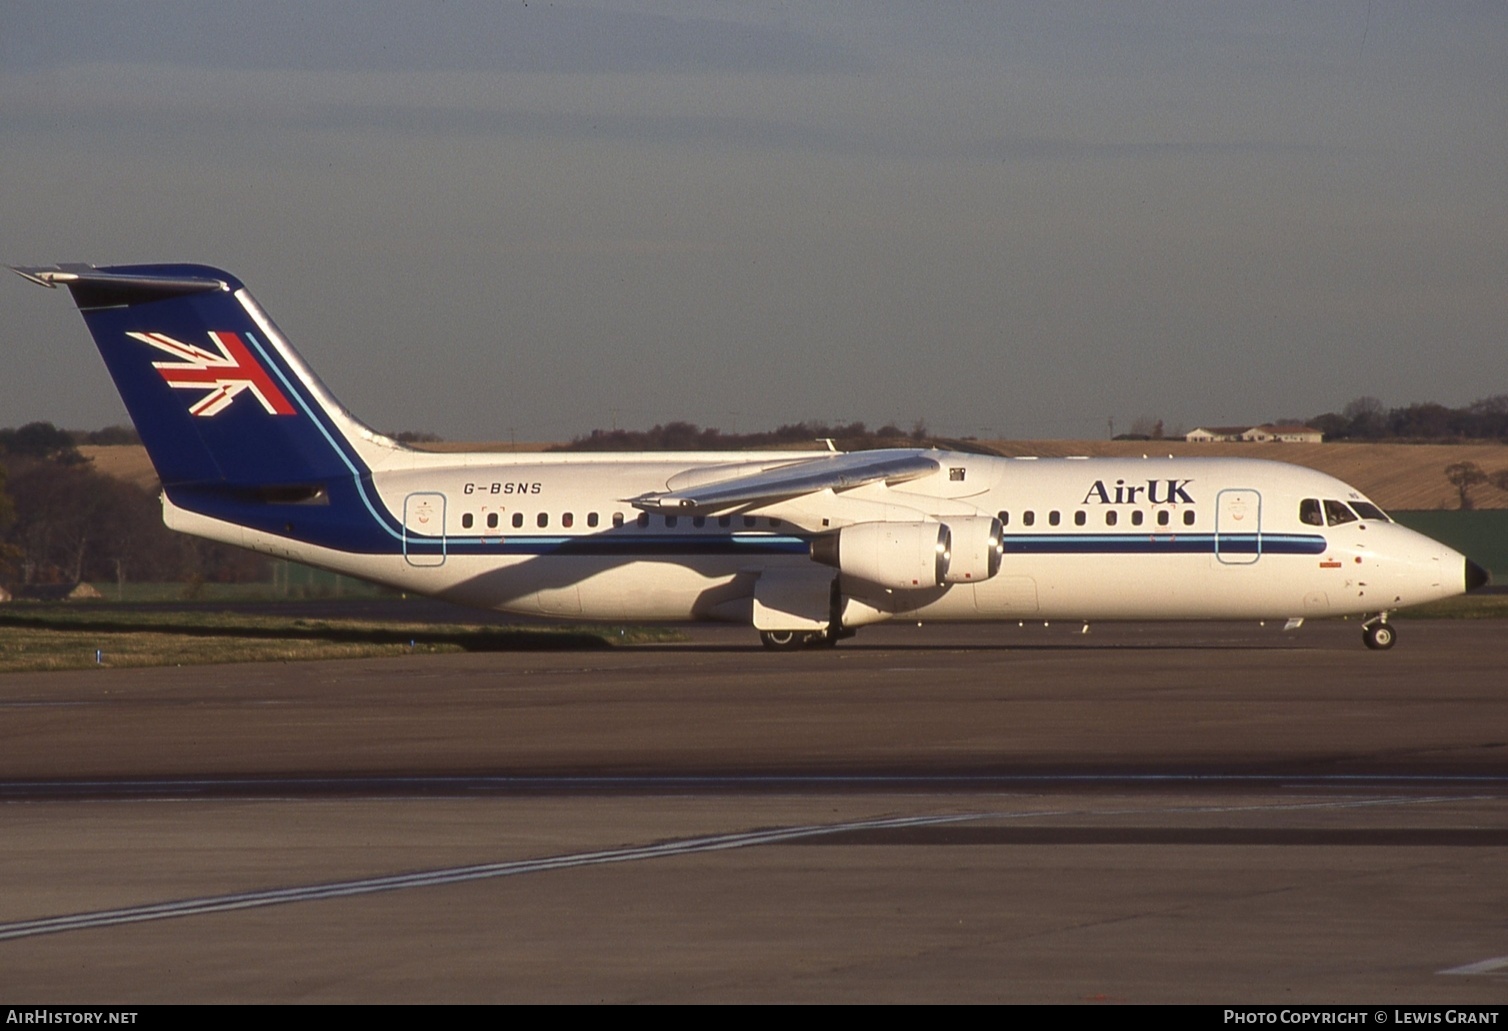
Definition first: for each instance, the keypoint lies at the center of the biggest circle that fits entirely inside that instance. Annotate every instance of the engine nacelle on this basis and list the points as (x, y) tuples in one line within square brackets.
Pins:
[(978, 546), (898, 555)]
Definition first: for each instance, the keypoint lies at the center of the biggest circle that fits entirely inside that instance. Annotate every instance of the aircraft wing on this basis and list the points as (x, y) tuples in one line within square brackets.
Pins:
[(822, 472)]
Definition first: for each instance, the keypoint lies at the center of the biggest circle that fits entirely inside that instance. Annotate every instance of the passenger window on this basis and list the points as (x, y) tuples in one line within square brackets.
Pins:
[(1028, 518), (749, 521), (1137, 516), (672, 520), (1188, 518), (698, 521), (774, 523), (724, 520), (567, 520), (1162, 517), (1336, 512), (643, 521), (1111, 515), (591, 519), (1054, 518), (1005, 518), (1079, 518), (492, 520), (617, 518), (543, 520), (1309, 512), (518, 520), (466, 521)]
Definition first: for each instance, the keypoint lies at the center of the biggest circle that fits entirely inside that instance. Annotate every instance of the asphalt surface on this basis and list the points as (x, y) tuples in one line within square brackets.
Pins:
[(1142, 813)]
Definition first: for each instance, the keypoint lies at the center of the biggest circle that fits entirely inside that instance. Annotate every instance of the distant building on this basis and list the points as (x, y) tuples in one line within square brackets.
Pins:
[(1287, 433), (1215, 434)]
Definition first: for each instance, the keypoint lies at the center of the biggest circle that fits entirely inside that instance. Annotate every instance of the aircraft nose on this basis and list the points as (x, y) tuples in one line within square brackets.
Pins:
[(1476, 576)]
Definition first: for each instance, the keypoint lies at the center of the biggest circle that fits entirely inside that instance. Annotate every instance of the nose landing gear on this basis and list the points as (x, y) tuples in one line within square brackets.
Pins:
[(1378, 634)]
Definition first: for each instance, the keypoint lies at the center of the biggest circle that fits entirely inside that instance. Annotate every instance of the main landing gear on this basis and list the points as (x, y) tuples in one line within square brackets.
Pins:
[(1378, 634), (790, 640)]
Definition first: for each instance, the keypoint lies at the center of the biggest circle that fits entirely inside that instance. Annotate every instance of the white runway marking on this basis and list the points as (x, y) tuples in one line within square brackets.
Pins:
[(1486, 966), (453, 875), (688, 846)]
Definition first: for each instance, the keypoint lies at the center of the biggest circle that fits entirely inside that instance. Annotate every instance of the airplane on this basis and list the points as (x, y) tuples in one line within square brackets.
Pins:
[(806, 547)]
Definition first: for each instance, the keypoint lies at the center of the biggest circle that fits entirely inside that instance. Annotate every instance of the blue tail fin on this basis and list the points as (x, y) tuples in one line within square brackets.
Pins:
[(242, 434), (219, 397)]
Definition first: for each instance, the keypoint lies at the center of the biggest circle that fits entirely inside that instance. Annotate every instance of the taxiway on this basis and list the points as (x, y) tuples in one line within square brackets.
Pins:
[(1142, 813)]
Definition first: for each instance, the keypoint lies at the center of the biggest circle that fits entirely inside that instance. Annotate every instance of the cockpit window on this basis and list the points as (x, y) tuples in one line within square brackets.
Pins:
[(1309, 512), (1336, 512), (1367, 510)]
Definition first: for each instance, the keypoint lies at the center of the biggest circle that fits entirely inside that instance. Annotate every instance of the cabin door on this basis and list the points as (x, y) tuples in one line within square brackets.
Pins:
[(424, 528), (1238, 526)]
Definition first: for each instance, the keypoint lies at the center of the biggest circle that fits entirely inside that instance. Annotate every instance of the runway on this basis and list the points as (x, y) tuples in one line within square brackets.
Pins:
[(1142, 813)]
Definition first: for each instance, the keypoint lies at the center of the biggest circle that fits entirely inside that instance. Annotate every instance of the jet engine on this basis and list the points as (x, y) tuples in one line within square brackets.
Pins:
[(978, 546), (898, 555)]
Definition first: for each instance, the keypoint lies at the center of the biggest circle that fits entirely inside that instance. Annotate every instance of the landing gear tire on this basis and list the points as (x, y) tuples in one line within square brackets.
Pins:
[(1379, 636), (783, 640), (790, 640)]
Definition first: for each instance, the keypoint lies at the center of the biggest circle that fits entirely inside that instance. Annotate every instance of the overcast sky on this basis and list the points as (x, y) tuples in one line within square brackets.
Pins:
[(495, 219)]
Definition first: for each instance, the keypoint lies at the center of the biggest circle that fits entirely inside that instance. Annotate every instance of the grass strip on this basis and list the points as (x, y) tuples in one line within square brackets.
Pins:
[(46, 637)]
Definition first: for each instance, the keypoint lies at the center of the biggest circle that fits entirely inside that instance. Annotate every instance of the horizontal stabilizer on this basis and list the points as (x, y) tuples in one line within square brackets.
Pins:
[(94, 288)]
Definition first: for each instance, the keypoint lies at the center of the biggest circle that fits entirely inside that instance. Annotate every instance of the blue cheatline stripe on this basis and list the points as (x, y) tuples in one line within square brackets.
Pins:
[(629, 544), (1163, 544)]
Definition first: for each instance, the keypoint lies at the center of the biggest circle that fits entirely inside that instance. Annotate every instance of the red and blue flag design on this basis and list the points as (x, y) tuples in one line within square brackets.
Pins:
[(225, 373)]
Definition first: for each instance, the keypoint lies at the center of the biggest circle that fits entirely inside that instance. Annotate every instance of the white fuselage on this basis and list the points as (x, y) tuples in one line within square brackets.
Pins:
[(1093, 539), (804, 546)]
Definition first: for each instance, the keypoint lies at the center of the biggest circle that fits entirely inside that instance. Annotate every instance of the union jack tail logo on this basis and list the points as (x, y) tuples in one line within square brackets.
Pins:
[(224, 374)]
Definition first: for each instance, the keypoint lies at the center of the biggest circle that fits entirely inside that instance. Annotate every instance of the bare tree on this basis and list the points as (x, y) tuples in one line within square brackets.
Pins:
[(10, 555), (73, 523), (1464, 476), (1366, 416)]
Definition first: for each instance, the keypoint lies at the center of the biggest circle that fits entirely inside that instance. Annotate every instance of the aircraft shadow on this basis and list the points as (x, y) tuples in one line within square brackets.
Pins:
[(489, 639)]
